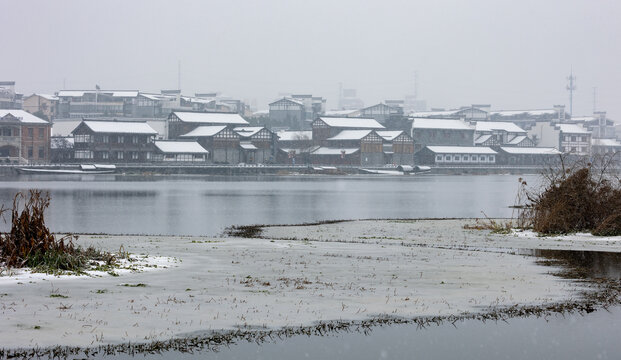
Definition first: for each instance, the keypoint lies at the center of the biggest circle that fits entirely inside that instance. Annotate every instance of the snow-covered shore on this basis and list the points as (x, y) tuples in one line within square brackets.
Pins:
[(294, 275)]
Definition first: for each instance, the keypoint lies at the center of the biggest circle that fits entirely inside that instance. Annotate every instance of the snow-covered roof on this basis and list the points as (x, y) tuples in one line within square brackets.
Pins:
[(524, 112), (431, 123), (71, 93), (205, 131), (211, 118), (605, 142), (247, 145), (461, 150), (583, 118), (287, 99), (351, 135), (180, 147), (334, 151), (498, 125), (114, 93), (341, 112), (48, 97), (23, 116), (427, 114), (154, 96), (345, 122), (481, 139), (389, 135), (125, 93), (516, 140), (530, 150), (248, 131), (286, 135), (572, 129), (119, 127)]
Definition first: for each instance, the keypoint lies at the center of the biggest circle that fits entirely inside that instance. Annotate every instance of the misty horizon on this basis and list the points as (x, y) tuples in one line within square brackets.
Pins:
[(512, 56)]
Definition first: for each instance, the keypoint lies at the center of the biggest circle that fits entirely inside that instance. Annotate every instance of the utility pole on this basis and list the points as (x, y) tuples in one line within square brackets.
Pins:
[(178, 74), (571, 87)]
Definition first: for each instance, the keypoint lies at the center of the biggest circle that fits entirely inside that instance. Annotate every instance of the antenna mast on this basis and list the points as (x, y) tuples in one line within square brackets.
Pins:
[(178, 74), (571, 87)]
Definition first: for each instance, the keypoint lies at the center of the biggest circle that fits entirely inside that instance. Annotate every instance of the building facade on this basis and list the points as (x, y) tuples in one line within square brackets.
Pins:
[(24, 138), (113, 141), (449, 132), (182, 122)]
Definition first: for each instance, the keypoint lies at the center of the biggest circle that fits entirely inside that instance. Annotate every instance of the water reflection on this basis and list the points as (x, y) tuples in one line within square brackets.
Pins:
[(207, 205)]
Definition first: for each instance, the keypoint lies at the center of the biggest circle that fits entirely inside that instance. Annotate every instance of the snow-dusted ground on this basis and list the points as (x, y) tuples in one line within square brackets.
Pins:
[(355, 271)]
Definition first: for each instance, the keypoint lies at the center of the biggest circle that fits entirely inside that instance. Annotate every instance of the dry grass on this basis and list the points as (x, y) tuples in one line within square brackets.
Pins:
[(31, 244), (580, 197)]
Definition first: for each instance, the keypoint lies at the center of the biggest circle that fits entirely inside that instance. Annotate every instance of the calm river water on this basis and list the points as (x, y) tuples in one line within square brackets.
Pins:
[(206, 205)]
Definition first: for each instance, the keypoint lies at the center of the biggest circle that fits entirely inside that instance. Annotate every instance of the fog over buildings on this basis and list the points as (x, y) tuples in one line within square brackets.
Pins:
[(512, 55)]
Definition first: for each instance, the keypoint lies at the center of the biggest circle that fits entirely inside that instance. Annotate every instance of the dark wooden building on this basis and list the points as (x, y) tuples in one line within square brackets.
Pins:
[(182, 122), (326, 127), (222, 142), (113, 141)]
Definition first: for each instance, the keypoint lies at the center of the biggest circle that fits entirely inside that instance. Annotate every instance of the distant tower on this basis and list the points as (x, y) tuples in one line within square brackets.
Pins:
[(340, 96), (415, 85), (594, 100), (178, 74), (571, 87)]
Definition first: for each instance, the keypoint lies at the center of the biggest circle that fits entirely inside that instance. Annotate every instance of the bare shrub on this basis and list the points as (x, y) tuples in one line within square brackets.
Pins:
[(31, 244), (575, 197)]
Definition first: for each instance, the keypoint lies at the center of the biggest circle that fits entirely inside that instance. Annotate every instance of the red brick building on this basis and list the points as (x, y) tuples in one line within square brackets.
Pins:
[(24, 138)]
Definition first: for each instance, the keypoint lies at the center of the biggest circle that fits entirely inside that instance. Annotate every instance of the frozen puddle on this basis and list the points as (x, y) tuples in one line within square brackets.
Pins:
[(346, 271)]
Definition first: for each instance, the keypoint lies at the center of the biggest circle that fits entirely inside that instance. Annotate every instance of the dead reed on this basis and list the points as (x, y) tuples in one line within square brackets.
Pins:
[(30, 243), (576, 197)]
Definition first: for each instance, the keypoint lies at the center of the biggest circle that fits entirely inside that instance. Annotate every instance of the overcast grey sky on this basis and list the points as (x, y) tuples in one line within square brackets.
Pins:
[(510, 54)]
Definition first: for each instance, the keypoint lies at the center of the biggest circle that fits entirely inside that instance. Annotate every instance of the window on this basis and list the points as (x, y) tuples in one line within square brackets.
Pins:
[(447, 157), (6, 131), (105, 155), (134, 155), (457, 158), (105, 139), (583, 139), (438, 157), (134, 139), (83, 154), (30, 151), (465, 158), (41, 153), (30, 132), (492, 158), (148, 155), (119, 155), (82, 138), (120, 139), (482, 158), (41, 133)]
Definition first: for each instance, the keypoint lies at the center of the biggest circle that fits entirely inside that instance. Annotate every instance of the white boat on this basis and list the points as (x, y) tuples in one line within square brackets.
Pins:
[(83, 169)]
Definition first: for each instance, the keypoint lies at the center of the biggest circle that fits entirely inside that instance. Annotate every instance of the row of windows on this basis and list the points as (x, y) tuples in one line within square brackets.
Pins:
[(575, 149), (465, 158), (184, 157), (575, 138), (86, 138), (40, 151), (41, 133), (118, 155)]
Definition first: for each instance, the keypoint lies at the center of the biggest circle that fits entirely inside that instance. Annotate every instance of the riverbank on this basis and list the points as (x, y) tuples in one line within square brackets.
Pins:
[(261, 169), (293, 277)]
